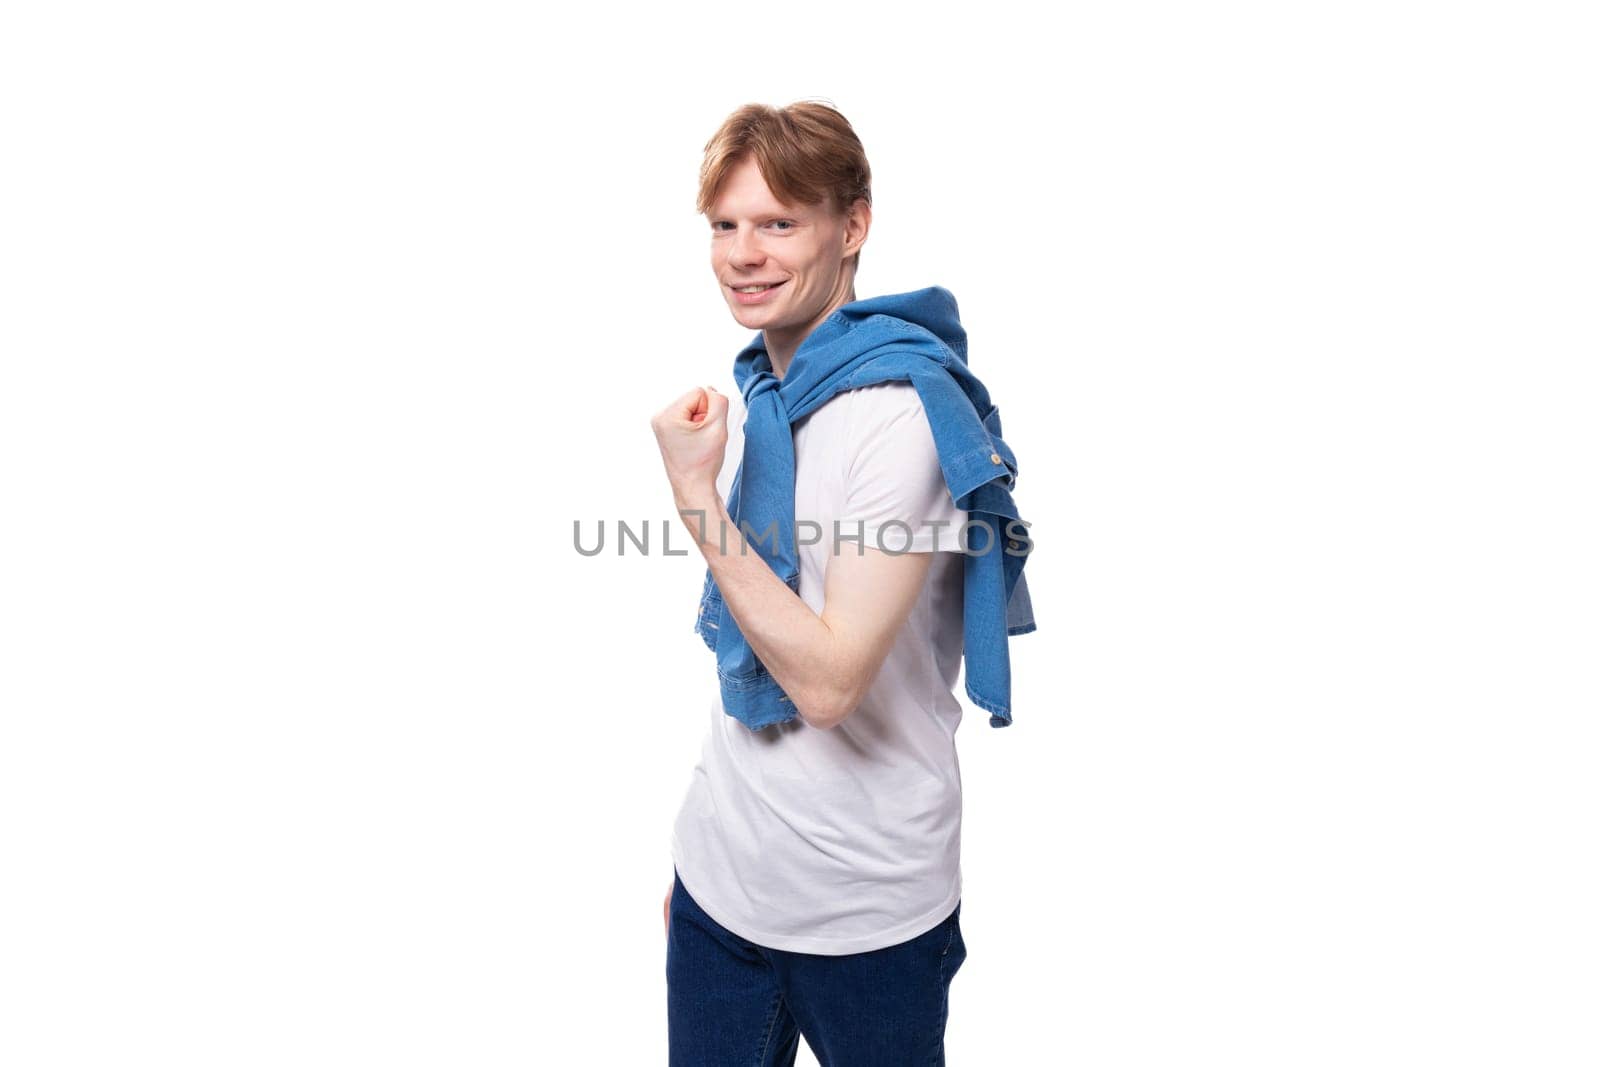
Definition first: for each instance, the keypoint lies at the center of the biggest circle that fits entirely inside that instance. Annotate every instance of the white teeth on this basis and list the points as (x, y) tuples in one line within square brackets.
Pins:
[(753, 289)]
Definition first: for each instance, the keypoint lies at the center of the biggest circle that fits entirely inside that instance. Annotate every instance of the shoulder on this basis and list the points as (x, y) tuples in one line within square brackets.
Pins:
[(888, 431), (884, 407), (896, 394), (893, 475), (860, 415)]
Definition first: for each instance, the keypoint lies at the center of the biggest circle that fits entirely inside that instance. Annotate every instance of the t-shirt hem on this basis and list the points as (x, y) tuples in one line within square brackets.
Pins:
[(815, 945)]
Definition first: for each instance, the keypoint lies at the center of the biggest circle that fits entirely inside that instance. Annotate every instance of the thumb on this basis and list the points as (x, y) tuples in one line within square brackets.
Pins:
[(716, 405)]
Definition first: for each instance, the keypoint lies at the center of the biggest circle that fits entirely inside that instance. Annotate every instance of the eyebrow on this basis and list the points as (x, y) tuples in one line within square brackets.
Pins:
[(767, 217)]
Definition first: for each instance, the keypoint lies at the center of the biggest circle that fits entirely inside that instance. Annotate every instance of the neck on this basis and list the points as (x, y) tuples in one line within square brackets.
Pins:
[(782, 344)]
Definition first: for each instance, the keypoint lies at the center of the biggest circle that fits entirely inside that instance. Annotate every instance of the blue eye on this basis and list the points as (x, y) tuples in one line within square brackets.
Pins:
[(784, 222)]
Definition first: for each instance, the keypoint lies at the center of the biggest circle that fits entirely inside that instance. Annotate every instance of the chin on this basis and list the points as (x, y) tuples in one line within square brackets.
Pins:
[(746, 314)]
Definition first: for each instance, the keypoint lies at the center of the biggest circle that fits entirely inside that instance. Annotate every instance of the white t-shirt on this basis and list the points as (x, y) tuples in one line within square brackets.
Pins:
[(844, 840)]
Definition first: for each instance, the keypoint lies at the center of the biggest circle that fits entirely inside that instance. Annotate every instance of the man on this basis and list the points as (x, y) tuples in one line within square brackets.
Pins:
[(817, 877)]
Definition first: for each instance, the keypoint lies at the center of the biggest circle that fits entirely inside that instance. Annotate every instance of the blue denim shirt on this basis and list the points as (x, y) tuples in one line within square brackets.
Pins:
[(916, 337)]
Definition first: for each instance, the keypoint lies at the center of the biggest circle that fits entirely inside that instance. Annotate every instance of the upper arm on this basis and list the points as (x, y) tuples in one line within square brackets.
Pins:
[(867, 600), (896, 498)]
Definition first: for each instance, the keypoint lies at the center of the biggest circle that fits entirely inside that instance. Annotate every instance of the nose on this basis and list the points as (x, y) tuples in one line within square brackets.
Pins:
[(744, 250)]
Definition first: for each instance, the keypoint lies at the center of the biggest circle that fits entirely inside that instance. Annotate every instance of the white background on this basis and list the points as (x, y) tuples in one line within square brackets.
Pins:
[(322, 323)]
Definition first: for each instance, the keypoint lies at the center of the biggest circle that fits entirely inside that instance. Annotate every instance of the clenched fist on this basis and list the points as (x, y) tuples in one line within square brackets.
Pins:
[(692, 433)]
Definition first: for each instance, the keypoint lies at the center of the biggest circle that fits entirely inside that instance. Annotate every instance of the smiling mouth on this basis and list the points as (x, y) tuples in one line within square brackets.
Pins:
[(756, 288)]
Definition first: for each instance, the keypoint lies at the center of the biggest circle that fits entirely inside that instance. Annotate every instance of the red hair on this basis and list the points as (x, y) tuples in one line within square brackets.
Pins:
[(807, 153)]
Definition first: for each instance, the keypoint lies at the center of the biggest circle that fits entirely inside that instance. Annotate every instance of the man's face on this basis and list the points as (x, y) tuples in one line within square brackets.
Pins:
[(756, 240)]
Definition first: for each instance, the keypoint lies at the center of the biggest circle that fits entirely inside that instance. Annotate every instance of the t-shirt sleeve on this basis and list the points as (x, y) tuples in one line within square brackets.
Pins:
[(894, 486)]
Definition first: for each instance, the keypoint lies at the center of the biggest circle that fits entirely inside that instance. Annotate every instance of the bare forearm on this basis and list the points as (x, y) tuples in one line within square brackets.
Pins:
[(791, 640)]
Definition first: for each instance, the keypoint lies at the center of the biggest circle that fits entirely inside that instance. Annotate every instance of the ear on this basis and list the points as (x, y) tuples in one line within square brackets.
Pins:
[(856, 225)]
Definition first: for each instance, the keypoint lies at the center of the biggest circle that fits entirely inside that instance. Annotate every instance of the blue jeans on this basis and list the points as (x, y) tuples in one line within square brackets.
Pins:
[(733, 1002)]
